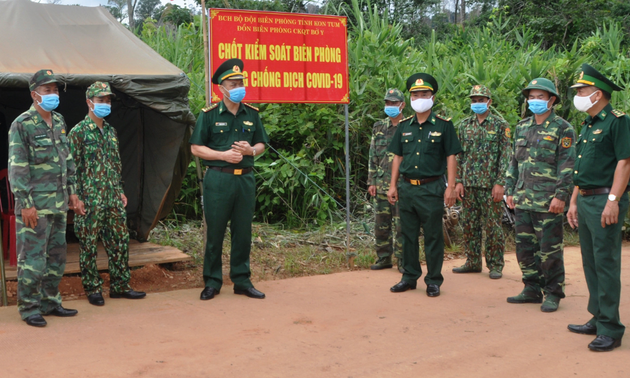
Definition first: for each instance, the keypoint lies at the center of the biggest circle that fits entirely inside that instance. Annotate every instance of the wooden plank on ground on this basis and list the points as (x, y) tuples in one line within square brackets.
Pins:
[(139, 254)]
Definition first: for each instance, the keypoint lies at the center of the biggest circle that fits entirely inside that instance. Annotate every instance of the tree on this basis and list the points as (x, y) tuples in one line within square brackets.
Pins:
[(131, 7), (117, 9), (147, 9)]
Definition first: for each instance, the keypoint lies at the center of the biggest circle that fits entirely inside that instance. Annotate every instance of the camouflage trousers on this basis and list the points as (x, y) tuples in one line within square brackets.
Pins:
[(41, 262), (387, 221), (108, 224), (480, 213), (539, 250)]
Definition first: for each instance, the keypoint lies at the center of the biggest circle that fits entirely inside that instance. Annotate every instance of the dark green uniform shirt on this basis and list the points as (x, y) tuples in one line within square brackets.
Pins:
[(424, 147), (605, 139), (218, 129), (98, 165)]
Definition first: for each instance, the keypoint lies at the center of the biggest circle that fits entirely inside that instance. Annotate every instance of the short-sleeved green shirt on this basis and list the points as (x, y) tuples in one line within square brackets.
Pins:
[(217, 128), (605, 139), (424, 147)]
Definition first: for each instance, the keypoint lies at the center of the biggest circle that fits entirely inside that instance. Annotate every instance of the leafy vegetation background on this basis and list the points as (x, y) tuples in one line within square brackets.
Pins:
[(501, 44)]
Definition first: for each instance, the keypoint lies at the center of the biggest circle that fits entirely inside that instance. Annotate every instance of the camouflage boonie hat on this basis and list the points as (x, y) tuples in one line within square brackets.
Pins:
[(480, 90), (394, 94), (99, 89), (42, 77), (544, 85)]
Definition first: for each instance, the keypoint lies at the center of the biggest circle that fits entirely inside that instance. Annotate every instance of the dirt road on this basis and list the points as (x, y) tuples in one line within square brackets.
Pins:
[(341, 325)]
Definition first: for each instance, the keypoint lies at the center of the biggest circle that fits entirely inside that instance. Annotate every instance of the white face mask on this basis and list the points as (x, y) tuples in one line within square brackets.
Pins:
[(421, 105), (584, 103)]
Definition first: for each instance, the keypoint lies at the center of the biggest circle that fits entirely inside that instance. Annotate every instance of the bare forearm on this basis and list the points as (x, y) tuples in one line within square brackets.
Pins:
[(574, 196), (451, 166), (622, 174), (206, 153), (395, 170), (260, 148)]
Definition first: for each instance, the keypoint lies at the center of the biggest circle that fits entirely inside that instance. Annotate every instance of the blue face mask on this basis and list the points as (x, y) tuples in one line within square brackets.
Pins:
[(102, 110), (392, 111), (49, 102), (237, 94), (538, 106), (479, 107)]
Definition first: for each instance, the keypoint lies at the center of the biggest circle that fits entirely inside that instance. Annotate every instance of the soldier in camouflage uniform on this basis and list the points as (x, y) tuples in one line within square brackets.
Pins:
[(538, 184), (94, 146), (41, 172), (379, 177), (485, 139)]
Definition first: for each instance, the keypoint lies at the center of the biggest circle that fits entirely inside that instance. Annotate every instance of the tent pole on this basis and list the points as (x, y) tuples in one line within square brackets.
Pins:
[(349, 255), (4, 278)]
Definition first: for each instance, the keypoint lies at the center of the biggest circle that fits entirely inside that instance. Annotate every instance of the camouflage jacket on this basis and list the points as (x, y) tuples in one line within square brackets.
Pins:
[(41, 170), (380, 161), (486, 152), (542, 165), (99, 169)]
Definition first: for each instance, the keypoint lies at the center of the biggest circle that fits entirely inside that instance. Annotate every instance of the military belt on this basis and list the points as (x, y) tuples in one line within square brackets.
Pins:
[(592, 192), (421, 181), (234, 171)]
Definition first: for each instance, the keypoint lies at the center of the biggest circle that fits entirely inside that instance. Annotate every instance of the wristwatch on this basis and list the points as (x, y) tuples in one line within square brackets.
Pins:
[(253, 152), (612, 197)]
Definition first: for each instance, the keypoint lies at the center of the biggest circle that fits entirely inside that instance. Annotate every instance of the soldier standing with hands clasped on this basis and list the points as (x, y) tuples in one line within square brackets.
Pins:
[(485, 139), (424, 146), (387, 220), (538, 185), (599, 204)]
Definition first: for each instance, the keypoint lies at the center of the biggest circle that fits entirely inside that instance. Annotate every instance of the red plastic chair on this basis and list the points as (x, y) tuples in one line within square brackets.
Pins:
[(8, 223)]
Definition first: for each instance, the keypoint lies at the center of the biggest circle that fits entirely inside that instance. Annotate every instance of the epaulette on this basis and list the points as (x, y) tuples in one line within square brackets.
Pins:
[(250, 106), (208, 108), (406, 119), (443, 118), (618, 113)]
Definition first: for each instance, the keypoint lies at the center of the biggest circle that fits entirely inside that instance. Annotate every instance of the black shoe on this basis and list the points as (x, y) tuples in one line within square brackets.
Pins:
[(382, 263), (251, 292), (131, 294), (433, 290), (62, 312), (584, 329), (96, 299), (36, 321), (603, 343), (209, 293), (403, 286)]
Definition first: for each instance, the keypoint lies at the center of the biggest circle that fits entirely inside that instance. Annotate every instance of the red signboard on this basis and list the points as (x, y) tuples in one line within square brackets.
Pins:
[(288, 57)]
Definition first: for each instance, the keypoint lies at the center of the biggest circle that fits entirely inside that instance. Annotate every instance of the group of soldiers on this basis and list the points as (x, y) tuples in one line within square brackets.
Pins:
[(545, 170), (51, 172), (538, 173)]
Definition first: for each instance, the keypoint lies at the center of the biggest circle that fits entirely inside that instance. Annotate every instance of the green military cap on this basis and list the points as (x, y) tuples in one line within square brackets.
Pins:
[(99, 89), (230, 69), (591, 77), (544, 85), (480, 90), (394, 94), (422, 82), (42, 77)]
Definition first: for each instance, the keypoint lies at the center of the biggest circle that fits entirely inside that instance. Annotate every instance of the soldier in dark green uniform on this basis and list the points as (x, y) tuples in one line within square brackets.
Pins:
[(94, 147), (424, 145), (599, 204), (485, 139), (387, 220), (538, 184), (41, 172), (228, 136)]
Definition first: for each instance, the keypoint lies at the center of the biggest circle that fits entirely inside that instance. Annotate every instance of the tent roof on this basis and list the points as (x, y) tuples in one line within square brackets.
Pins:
[(78, 40)]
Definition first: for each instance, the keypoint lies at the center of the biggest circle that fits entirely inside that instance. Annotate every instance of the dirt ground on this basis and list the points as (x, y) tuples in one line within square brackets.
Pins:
[(338, 325)]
